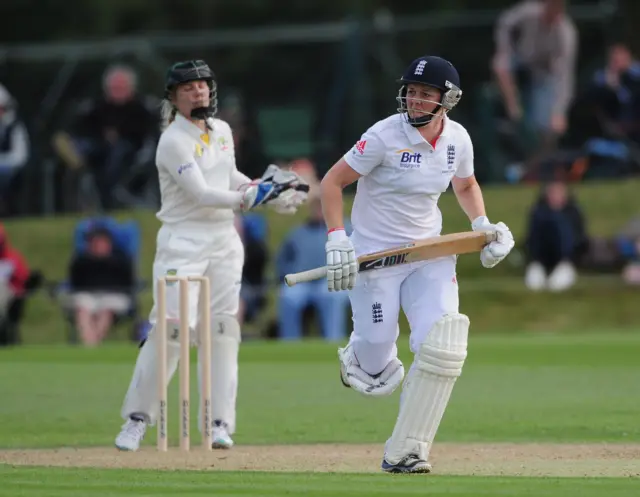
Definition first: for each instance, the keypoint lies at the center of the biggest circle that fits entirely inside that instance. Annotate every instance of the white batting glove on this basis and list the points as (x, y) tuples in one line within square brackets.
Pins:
[(495, 251), (342, 266)]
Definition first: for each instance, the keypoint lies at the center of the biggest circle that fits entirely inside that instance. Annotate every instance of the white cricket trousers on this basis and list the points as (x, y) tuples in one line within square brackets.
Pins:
[(214, 250), (425, 291)]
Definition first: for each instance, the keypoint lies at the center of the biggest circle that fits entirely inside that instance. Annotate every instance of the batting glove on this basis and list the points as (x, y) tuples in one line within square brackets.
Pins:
[(497, 250), (342, 266)]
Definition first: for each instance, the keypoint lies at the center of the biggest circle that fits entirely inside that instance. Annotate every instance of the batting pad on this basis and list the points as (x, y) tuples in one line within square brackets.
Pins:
[(428, 387), (225, 344)]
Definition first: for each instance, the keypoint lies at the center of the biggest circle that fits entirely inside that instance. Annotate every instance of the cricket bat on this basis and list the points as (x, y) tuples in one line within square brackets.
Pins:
[(465, 242)]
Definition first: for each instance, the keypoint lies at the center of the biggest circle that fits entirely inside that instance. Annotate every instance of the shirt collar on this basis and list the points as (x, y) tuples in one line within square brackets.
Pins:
[(415, 138)]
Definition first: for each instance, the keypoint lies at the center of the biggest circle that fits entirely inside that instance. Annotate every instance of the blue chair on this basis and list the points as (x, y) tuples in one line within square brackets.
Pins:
[(126, 237)]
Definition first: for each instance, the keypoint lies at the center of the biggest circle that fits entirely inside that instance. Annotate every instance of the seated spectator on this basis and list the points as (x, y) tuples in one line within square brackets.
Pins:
[(556, 239), (253, 291), (627, 248), (109, 133), (616, 91), (101, 280), (14, 149), (303, 249), (16, 280), (609, 115)]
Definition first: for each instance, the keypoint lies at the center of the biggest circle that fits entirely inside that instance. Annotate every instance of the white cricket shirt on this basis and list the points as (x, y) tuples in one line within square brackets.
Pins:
[(402, 179), (197, 173)]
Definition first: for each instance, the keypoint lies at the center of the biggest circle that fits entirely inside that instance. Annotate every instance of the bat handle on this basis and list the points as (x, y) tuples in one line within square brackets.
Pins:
[(310, 275), (491, 236)]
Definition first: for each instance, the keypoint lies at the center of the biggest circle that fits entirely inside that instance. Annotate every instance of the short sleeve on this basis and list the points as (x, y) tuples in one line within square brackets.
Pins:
[(465, 167), (366, 154)]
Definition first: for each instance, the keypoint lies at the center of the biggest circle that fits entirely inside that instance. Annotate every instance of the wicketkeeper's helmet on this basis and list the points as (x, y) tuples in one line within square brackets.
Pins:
[(193, 70)]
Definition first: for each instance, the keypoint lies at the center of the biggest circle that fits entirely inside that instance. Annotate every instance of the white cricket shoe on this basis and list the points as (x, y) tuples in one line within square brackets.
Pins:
[(562, 277), (221, 437), (410, 464), (131, 435), (535, 277)]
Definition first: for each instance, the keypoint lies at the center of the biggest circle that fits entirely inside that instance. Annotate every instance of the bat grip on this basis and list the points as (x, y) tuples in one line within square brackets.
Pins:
[(310, 275), (491, 236)]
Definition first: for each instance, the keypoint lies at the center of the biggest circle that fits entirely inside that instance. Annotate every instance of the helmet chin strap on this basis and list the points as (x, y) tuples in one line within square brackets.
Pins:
[(420, 121), (424, 120)]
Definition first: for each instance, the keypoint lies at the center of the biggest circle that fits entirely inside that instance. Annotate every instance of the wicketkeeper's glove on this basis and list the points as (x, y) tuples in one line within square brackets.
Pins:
[(284, 191)]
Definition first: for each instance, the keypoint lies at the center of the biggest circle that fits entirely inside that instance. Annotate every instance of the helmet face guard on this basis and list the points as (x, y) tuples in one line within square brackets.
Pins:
[(434, 72), (193, 70)]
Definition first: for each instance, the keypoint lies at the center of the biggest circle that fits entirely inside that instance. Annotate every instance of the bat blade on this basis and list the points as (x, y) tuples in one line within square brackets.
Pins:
[(465, 242), (431, 248)]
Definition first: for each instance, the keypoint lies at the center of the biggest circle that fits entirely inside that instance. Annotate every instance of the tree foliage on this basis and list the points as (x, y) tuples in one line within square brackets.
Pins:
[(47, 20)]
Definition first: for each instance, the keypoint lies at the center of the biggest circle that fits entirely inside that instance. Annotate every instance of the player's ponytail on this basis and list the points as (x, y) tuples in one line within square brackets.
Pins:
[(168, 113)]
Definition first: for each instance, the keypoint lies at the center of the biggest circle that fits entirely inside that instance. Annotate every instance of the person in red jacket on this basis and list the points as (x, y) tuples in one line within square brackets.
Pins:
[(15, 279)]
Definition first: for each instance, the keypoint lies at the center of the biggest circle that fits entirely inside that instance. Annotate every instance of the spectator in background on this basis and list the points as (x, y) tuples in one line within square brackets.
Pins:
[(627, 245), (303, 249), (101, 281), (253, 290), (250, 156), (16, 281), (556, 239), (617, 89), (14, 149), (610, 115), (535, 64), (306, 169), (109, 133)]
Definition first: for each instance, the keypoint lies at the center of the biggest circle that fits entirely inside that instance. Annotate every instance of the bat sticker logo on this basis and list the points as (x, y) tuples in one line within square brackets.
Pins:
[(387, 261)]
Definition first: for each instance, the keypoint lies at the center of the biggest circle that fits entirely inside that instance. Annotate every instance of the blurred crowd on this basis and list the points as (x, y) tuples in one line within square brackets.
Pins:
[(558, 131), (549, 117), (102, 286), (552, 128)]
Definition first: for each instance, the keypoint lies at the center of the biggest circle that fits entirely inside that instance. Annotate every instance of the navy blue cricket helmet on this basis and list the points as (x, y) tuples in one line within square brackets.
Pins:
[(193, 70), (432, 71)]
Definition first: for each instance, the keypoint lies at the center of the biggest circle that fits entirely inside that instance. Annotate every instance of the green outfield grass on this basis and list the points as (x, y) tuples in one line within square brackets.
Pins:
[(514, 388), (39, 482), (522, 388)]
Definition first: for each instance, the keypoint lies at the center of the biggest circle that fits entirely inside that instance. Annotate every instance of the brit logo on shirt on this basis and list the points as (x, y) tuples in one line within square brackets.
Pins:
[(360, 146), (409, 159), (451, 154)]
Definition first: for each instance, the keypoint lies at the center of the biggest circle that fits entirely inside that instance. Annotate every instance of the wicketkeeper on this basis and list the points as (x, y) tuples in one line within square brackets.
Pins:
[(201, 189)]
